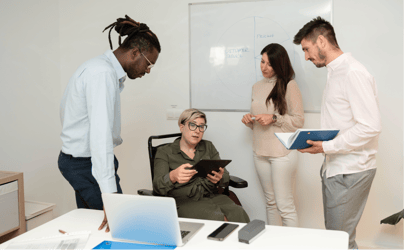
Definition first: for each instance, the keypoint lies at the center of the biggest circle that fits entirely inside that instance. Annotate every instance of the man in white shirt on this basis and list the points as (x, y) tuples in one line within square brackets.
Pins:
[(90, 113), (350, 104)]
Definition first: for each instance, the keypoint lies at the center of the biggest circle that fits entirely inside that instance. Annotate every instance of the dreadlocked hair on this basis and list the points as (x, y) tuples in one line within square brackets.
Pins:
[(138, 34)]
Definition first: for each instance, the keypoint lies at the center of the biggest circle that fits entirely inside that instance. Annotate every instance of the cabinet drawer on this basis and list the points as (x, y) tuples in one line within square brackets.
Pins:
[(9, 207)]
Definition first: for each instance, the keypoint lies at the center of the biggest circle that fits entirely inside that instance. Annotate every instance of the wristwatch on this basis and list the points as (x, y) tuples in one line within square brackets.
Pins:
[(274, 118)]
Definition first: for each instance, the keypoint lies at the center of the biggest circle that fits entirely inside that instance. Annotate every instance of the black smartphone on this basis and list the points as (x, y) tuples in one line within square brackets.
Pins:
[(222, 232)]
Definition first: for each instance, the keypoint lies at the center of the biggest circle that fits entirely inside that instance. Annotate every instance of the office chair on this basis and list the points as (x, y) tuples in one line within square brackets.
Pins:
[(234, 181), (393, 219)]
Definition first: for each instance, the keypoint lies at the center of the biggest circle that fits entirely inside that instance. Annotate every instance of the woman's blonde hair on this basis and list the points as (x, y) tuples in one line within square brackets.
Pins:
[(191, 114)]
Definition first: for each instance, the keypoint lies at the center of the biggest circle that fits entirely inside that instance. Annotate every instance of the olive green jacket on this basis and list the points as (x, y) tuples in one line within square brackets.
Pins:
[(170, 157)]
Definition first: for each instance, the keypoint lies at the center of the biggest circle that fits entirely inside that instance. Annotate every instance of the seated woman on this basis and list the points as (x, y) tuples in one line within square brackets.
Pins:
[(196, 197)]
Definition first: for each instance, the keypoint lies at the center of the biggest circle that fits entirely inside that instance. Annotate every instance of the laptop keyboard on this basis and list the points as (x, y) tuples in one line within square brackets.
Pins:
[(184, 233)]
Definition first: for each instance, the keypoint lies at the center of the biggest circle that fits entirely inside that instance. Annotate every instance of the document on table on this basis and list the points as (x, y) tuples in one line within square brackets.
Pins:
[(76, 240)]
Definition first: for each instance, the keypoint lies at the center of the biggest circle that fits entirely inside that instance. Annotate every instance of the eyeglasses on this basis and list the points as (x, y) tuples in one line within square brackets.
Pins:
[(151, 64), (192, 126)]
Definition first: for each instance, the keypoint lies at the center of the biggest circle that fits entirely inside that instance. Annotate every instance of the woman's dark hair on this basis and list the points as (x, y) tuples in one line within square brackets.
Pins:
[(138, 35), (279, 60)]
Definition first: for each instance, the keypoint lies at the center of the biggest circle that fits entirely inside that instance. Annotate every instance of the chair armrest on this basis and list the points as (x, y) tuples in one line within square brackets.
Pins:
[(237, 182), (147, 192)]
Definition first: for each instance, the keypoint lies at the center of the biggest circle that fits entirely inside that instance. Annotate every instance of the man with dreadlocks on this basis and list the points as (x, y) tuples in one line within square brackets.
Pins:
[(90, 113)]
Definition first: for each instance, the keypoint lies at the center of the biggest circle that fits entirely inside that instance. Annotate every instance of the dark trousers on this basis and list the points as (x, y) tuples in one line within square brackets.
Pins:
[(77, 171)]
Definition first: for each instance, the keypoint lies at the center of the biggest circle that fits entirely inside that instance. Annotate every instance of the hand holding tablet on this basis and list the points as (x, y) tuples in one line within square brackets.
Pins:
[(205, 167)]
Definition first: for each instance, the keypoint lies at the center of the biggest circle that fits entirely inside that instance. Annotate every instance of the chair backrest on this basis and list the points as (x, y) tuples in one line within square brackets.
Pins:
[(153, 149), (152, 153)]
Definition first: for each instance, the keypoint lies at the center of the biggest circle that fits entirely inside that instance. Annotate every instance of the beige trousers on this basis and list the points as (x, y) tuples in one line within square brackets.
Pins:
[(276, 175)]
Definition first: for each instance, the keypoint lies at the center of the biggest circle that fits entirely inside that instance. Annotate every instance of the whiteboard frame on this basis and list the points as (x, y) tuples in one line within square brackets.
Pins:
[(189, 36)]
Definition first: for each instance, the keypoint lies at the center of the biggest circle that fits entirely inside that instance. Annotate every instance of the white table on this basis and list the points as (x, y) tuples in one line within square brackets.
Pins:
[(274, 237)]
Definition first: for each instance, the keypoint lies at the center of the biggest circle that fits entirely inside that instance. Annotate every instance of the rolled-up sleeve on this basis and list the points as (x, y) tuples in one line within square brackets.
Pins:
[(294, 119), (101, 94), (161, 181), (361, 93)]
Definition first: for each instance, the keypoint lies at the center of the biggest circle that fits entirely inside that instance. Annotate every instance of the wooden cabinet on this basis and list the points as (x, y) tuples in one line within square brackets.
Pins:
[(13, 180), (37, 213)]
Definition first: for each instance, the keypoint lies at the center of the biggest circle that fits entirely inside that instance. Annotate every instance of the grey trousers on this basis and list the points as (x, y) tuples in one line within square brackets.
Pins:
[(344, 199)]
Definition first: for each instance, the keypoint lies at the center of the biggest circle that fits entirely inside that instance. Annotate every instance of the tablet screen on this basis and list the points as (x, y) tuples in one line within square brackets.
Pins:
[(205, 167)]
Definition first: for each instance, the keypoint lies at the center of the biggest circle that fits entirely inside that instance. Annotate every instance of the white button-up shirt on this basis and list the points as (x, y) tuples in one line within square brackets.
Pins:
[(350, 104), (90, 113)]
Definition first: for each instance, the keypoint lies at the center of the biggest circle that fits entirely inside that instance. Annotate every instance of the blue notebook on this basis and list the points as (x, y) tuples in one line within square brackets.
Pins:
[(129, 245), (297, 140)]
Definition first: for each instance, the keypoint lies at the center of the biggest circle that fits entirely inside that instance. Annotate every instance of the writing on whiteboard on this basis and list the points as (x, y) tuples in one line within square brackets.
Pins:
[(265, 36), (236, 52)]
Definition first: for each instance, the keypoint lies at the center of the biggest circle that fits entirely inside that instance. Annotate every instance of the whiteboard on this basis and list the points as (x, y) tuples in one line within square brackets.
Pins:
[(226, 39)]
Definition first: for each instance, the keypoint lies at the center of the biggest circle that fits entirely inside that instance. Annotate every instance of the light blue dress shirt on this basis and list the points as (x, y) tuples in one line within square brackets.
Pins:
[(90, 113)]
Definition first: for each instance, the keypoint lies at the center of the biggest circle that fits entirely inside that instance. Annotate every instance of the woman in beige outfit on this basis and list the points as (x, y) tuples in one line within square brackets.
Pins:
[(276, 107)]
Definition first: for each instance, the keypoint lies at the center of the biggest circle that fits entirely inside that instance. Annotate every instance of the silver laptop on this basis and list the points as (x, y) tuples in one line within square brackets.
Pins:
[(147, 219)]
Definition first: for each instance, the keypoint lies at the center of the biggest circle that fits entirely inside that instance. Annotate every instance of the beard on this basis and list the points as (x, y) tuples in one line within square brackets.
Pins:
[(320, 65), (321, 56)]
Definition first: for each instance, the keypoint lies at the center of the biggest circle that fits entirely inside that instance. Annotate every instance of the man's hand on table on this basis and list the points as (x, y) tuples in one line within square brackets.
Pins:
[(104, 222)]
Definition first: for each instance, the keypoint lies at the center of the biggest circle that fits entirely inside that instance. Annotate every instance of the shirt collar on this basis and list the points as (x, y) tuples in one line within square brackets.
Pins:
[(117, 66), (337, 61), (176, 146), (176, 149)]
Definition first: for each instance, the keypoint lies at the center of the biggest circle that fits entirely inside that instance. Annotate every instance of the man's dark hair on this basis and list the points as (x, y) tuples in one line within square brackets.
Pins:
[(314, 28), (138, 35), (280, 63)]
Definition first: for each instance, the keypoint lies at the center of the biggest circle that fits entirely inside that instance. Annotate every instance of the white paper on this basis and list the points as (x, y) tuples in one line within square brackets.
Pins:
[(66, 241), (284, 138)]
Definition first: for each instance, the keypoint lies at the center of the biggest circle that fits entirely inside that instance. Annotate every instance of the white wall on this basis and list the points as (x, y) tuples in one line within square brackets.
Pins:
[(371, 30), (30, 96)]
